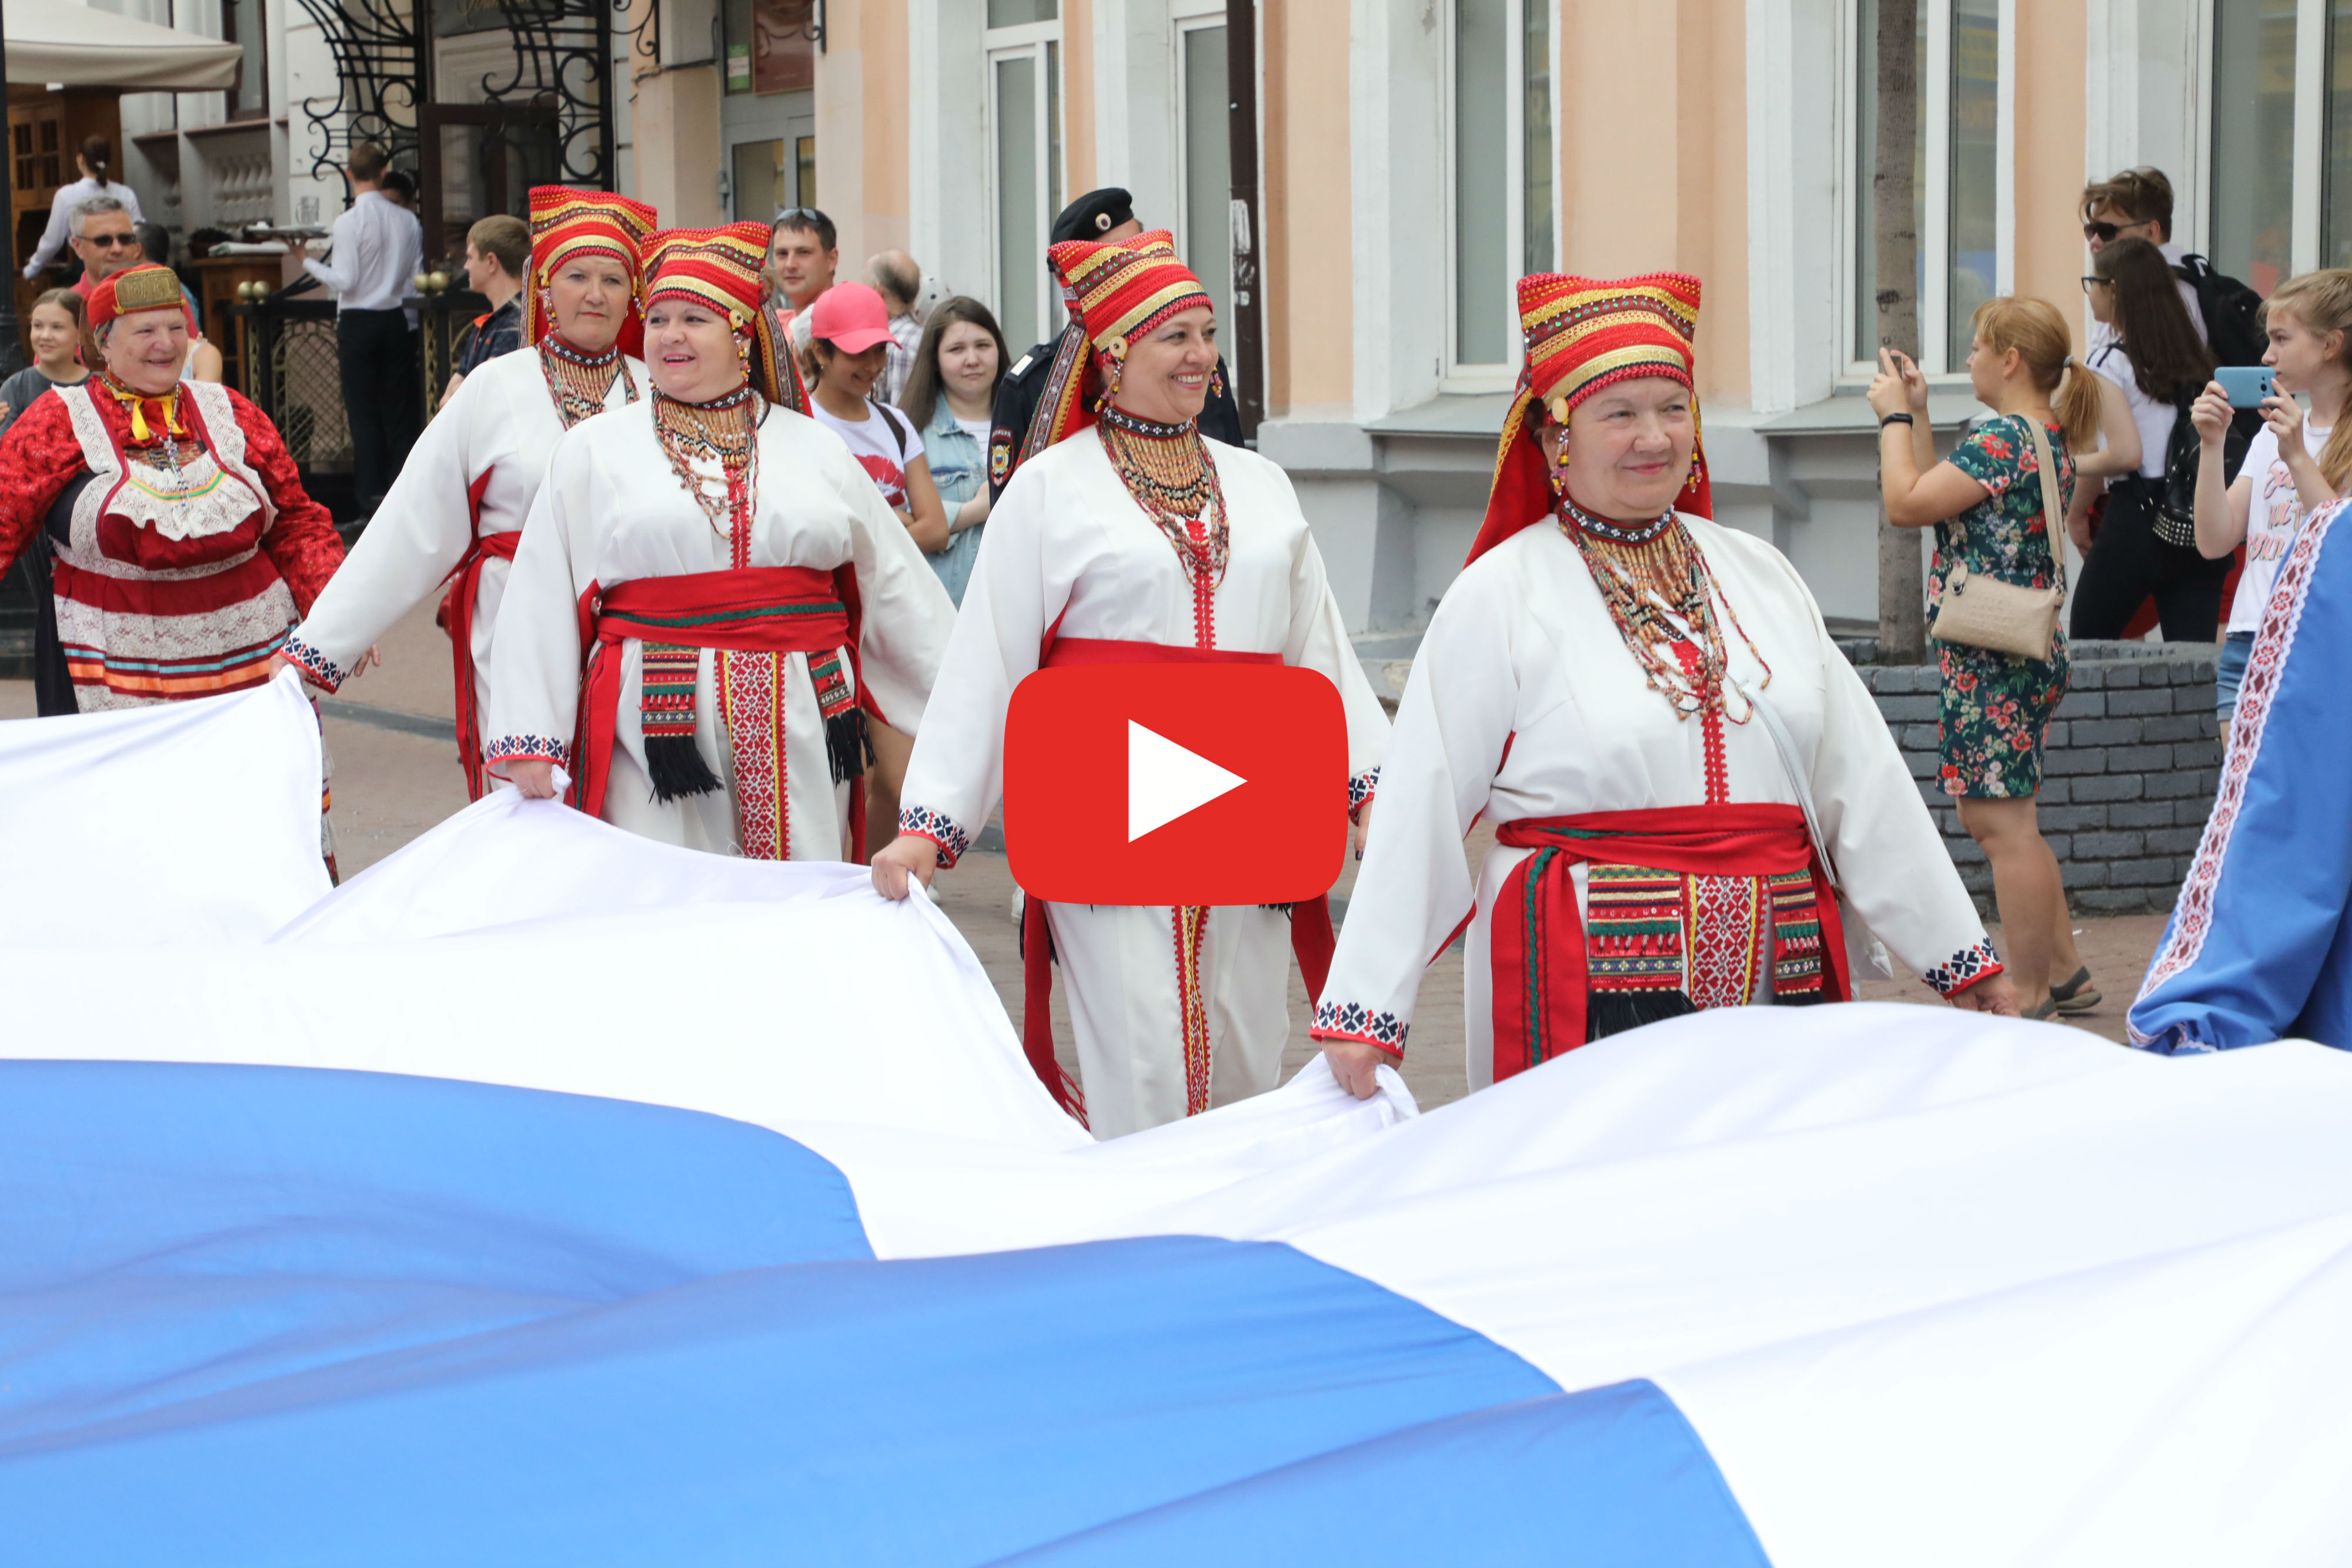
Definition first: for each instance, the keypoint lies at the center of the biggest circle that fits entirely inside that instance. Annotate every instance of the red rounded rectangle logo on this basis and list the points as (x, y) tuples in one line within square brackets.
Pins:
[(1206, 784)]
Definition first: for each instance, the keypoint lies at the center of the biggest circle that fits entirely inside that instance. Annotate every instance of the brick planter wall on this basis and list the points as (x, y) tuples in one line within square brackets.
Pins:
[(2130, 773)]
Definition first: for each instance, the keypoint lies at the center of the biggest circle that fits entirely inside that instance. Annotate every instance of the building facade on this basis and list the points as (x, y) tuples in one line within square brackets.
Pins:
[(1414, 156)]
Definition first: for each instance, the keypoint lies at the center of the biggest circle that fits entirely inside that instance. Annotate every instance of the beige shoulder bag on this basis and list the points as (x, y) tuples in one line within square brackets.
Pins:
[(1983, 611)]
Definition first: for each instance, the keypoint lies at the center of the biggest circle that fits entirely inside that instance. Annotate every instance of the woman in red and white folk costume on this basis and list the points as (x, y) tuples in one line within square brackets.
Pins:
[(732, 579), (184, 546), (1135, 540), (456, 513), (1591, 684)]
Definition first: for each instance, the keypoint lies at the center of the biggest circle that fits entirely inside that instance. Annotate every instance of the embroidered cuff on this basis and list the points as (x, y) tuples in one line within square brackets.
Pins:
[(1348, 1021), (526, 748), (922, 823), (322, 670), (1360, 792), (2174, 1040), (1963, 970)]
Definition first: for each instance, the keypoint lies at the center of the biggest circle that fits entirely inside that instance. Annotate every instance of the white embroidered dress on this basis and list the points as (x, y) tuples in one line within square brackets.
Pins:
[(1067, 544), (1525, 702), (614, 511), (497, 433)]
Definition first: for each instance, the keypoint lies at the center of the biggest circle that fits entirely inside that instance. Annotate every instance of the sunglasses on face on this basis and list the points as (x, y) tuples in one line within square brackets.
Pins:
[(2105, 232), (109, 242)]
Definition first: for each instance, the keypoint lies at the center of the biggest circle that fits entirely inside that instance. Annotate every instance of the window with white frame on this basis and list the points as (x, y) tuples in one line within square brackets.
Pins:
[(2278, 94), (1022, 49), (1502, 171), (1961, 189), (1204, 173)]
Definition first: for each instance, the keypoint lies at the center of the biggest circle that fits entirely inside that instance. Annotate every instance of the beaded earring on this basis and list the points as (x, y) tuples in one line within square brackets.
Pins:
[(1118, 352), (1217, 381)]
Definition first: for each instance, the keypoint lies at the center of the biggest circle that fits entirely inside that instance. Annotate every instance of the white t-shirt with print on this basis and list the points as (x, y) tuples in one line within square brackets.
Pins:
[(881, 449), (2274, 516)]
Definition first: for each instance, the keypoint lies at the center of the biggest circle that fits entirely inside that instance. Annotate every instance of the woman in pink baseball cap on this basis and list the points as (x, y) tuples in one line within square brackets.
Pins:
[(849, 343)]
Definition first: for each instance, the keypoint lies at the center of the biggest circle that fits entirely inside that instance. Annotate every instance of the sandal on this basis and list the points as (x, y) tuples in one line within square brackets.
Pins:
[(2047, 1011), (2077, 995)]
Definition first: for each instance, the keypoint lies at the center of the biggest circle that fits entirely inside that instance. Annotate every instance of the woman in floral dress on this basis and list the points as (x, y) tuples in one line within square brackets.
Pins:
[(1985, 505)]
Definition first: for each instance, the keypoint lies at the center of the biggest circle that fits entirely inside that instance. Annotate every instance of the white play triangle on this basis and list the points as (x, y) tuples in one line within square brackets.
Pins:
[(1164, 781)]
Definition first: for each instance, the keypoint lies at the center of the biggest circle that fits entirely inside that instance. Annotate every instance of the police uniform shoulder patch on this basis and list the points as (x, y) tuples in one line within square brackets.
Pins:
[(1000, 454)]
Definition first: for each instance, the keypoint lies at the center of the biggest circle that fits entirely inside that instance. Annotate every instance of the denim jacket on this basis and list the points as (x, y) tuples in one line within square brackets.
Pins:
[(960, 468)]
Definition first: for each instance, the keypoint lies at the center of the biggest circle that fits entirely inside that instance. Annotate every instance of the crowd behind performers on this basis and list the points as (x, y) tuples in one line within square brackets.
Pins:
[(2181, 507)]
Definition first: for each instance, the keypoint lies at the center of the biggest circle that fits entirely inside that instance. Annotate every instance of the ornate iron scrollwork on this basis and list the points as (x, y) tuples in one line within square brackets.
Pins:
[(564, 61), (383, 74)]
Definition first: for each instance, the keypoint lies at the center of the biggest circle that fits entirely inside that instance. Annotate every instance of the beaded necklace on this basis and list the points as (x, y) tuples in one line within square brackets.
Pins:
[(580, 381), (722, 430), (1168, 471), (1662, 599)]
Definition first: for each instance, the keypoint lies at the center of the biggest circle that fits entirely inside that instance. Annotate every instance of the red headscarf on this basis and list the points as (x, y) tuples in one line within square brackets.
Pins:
[(565, 223), (1582, 334), (1119, 290), (720, 268)]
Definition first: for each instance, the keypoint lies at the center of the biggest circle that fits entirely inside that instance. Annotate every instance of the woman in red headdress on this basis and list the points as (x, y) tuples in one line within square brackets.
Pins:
[(709, 592), (456, 513), (1132, 539), (1650, 708), (183, 544)]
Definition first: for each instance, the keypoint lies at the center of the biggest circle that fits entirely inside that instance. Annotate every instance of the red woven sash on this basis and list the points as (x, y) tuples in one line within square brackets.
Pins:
[(1540, 976), (457, 618), (1310, 922), (763, 609)]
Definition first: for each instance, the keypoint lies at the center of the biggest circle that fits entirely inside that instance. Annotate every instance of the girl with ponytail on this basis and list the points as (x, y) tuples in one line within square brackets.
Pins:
[(2293, 466), (1985, 504)]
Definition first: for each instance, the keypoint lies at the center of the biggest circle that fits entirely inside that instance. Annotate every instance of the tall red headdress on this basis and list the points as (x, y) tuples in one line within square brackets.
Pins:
[(567, 223), (1582, 334), (721, 268), (1118, 290)]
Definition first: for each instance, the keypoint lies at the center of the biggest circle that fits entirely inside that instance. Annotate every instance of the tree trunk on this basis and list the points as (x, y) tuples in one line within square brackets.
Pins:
[(1895, 239)]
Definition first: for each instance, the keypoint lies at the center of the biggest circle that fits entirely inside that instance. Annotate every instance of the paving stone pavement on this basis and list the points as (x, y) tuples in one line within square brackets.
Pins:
[(391, 786)]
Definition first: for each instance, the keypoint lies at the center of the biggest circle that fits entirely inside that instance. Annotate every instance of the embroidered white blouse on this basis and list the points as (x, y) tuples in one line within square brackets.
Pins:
[(1067, 544), (501, 424), (614, 511), (1525, 702)]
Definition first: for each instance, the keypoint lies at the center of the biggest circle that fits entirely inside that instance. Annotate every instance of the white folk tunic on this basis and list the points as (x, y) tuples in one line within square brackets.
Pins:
[(496, 432), (1067, 543), (1525, 702), (614, 511)]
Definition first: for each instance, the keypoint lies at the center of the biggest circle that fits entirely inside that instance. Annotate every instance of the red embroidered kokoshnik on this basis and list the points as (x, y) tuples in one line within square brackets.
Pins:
[(1310, 923), (758, 610), (1543, 958)]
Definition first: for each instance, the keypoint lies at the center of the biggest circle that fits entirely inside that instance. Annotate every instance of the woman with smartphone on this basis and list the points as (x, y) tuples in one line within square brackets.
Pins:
[(2295, 464)]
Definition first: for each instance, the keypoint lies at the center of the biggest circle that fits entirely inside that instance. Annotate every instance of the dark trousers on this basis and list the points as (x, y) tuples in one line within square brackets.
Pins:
[(377, 352), (2128, 565)]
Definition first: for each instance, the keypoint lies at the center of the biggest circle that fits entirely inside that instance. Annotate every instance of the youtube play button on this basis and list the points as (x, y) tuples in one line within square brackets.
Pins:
[(1176, 783)]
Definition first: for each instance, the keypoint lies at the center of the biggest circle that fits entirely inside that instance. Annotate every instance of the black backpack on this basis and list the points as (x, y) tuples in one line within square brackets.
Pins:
[(2174, 516), (2232, 312)]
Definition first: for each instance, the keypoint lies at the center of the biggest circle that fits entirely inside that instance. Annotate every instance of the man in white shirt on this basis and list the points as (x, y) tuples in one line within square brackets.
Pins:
[(97, 153), (375, 252)]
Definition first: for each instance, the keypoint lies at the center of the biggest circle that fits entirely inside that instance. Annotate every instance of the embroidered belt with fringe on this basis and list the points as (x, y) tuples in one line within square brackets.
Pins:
[(1687, 908), (752, 618)]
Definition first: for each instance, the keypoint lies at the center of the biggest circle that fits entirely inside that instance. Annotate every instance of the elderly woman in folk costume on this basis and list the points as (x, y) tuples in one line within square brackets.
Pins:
[(184, 546), (456, 513), (1650, 708), (1134, 540), (734, 582)]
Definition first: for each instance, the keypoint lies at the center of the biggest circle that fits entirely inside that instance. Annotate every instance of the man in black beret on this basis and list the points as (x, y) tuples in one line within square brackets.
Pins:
[(1105, 214)]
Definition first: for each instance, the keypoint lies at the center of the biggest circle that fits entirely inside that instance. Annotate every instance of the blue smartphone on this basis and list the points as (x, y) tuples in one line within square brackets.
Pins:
[(2247, 385)]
